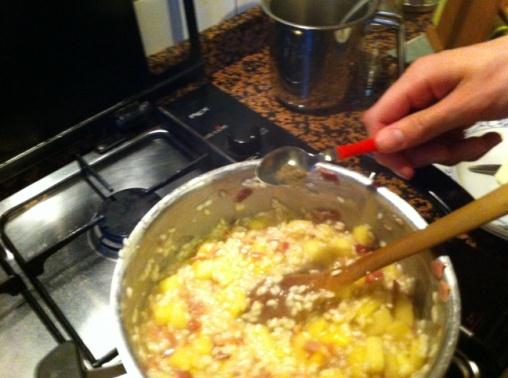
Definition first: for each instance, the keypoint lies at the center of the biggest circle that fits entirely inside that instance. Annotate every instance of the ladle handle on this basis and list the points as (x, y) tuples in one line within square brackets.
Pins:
[(476, 213)]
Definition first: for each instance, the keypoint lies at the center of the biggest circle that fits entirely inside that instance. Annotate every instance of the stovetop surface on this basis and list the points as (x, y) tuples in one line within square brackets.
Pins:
[(52, 230), (77, 276)]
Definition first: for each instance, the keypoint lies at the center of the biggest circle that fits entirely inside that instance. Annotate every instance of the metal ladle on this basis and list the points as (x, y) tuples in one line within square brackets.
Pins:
[(285, 165)]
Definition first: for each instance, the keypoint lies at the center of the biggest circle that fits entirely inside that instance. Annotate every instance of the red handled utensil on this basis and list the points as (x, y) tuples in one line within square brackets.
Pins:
[(362, 147), (285, 165)]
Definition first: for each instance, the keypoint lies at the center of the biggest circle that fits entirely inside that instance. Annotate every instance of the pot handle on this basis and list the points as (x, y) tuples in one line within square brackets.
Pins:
[(65, 361), (466, 367), (395, 22)]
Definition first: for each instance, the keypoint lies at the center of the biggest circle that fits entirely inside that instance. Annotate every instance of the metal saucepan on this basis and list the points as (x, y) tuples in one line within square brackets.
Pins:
[(196, 207), (316, 48)]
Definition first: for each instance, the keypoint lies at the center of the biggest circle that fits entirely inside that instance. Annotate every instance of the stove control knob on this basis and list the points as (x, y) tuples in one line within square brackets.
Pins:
[(244, 141)]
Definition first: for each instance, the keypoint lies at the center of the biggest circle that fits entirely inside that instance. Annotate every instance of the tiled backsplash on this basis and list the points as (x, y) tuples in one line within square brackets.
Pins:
[(162, 22)]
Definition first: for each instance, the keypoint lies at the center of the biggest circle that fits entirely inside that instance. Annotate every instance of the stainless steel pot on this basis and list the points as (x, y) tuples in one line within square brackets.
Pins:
[(197, 206), (316, 46)]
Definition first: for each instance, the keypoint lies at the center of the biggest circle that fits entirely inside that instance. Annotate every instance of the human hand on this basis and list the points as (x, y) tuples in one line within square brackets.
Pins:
[(420, 119)]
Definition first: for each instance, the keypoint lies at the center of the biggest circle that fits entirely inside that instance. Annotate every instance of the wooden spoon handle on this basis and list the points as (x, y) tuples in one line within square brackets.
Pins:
[(478, 212)]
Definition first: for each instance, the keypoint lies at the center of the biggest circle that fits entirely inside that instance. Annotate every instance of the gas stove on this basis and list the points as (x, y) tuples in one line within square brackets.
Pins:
[(60, 236)]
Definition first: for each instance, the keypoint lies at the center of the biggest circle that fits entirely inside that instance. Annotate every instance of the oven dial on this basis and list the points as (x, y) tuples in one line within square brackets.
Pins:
[(244, 141)]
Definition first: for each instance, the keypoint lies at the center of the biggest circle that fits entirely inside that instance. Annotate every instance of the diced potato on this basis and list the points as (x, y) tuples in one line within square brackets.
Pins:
[(338, 335), (324, 231), (399, 329), (328, 249), (172, 313), (403, 310), (234, 299), (356, 359), (262, 266), (363, 235), (206, 248), (299, 226), (317, 251), (358, 354), (169, 284), (182, 358), (366, 309), (225, 275), (391, 273), (398, 365), (379, 321), (331, 373), (318, 358), (202, 345), (260, 247), (419, 350), (161, 314), (204, 269), (341, 246), (317, 326), (298, 341), (221, 270), (374, 356), (260, 338)]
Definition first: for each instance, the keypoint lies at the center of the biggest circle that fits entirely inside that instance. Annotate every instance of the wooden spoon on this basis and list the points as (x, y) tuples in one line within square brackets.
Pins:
[(272, 303)]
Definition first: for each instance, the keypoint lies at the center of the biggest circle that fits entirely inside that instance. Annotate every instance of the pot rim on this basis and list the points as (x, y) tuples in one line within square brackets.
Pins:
[(128, 359), (373, 5)]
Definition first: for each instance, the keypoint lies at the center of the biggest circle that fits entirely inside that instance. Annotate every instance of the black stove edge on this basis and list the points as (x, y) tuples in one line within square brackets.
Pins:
[(176, 76)]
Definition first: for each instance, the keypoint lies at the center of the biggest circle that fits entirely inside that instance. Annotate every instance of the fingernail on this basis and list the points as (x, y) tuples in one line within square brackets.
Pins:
[(390, 140)]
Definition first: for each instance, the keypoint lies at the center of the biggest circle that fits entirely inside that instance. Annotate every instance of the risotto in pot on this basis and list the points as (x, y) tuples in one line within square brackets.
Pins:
[(196, 323)]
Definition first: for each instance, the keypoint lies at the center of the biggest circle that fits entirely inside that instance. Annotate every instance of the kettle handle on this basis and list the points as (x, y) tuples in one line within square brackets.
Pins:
[(395, 22)]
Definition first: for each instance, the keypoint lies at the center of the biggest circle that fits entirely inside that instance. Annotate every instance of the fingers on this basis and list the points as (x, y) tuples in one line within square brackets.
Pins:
[(398, 163), (452, 152), (424, 125), (418, 121), (419, 87), (447, 150)]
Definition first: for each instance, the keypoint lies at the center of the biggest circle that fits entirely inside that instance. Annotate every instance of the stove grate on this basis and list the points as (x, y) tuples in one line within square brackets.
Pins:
[(33, 267)]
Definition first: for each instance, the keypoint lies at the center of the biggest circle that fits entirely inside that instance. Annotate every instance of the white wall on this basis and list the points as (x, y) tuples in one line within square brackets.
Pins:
[(162, 22)]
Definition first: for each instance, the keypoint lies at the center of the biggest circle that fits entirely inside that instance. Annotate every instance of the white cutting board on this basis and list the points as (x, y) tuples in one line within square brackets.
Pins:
[(479, 184)]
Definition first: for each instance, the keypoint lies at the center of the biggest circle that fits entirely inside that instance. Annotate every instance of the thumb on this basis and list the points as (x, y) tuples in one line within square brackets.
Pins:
[(426, 124)]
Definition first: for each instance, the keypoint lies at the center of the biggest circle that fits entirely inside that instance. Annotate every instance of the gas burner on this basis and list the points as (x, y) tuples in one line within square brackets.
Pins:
[(120, 213)]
